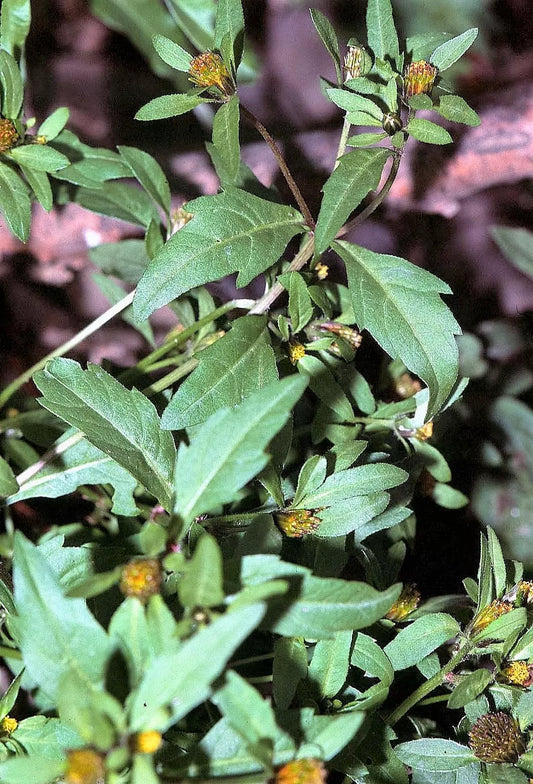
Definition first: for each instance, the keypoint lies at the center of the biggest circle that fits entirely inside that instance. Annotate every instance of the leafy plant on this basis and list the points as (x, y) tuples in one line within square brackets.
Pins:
[(231, 607)]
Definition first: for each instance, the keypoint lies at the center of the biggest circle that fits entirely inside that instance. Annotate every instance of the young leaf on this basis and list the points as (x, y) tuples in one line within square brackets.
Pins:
[(328, 37), (300, 305), (329, 665), (12, 89), (228, 450), (434, 754), (289, 668), (324, 386), (449, 52), (40, 185), (381, 32), (419, 638), (229, 24), (456, 109), (231, 231), (428, 132), (149, 173), (399, 305), (53, 632), (357, 174), (168, 106), (183, 679), (39, 157), (352, 102), (201, 584), (226, 136), (172, 53), (54, 124), (121, 422), (15, 202), (229, 371), (361, 480)]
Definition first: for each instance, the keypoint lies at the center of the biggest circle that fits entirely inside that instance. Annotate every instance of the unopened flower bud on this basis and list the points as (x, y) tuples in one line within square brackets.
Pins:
[(84, 766), (489, 614), (209, 70), (296, 352), (295, 523), (391, 123), (349, 334), (405, 604), (141, 578), (419, 78), (496, 737), (355, 63), (9, 135), (302, 771)]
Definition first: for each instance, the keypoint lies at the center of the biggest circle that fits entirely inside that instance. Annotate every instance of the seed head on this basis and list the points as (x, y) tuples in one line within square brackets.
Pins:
[(84, 766), (209, 70), (302, 771), (418, 78), (496, 737), (406, 603), (9, 135), (141, 578), (295, 523)]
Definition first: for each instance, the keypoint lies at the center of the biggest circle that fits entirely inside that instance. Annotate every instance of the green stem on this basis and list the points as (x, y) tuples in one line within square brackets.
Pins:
[(10, 653), (171, 378), (240, 518), (269, 297), (251, 660), (343, 139), (430, 685), (66, 347), (291, 182)]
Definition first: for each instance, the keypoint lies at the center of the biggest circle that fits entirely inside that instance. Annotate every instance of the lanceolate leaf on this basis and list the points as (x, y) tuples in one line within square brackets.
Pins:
[(427, 131), (39, 157), (15, 202), (230, 22), (15, 17), (172, 53), (226, 136), (329, 38), (231, 231), (229, 449), (121, 422), (399, 305), (448, 53), (12, 91), (168, 106), (356, 175), (381, 32), (149, 173), (229, 371)]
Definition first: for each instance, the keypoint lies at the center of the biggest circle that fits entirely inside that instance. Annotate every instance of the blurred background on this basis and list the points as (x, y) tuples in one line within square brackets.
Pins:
[(464, 213)]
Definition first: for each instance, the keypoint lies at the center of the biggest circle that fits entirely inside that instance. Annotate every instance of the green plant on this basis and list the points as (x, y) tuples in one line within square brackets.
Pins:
[(249, 485)]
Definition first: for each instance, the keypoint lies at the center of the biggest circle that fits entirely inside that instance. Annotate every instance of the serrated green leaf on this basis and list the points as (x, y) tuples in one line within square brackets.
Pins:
[(54, 124), (8, 483), (172, 53), (469, 687), (361, 480), (226, 135), (183, 679), (229, 25), (15, 18), (121, 422), (449, 52), (39, 157), (381, 32), (11, 86), (357, 173), (421, 637), (324, 386), (428, 132), (118, 200), (228, 372), (126, 260), (168, 106), (329, 666), (47, 737), (149, 173), (328, 37), (288, 669), (300, 305), (228, 450), (82, 464), (15, 202), (456, 109), (434, 754), (52, 631), (399, 305), (231, 231), (201, 584), (40, 185), (517, 246)]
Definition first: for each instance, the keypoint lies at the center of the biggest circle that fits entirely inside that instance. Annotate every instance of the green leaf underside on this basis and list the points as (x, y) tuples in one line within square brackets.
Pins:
[(420, 638), (328, 37), (233, 231), (238, 364), (168, 106), (149, 173), (449, 52), (172, 53), (428, 132), (122, 423), (356, 175), (53, 632), (228, 450), (81, 464), (399, 305), (434, 754)]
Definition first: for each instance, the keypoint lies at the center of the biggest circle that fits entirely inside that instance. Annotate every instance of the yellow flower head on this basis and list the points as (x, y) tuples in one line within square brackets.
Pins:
[(84, 766), (489, 614), (424, 432), (8, 135), (8, 725), (209, 70), (296, 352), (302, 771), (518, 673), (141, 578), (496, 737), (295, 523), (321, 271), (419, 78), (406, 603), (147, 742)]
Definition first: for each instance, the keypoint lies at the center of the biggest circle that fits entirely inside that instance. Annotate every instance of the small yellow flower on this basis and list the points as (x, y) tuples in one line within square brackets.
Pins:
[(209, 70), (147, 742), (295, 523), (321, 271), (141, 578), (9, 135), (489, 614), (419, 78), (39, 139), (424, 432), (296, 352), (406, 603), (8, 725), (349, 334), (524, 593), (518, 673), (302, 771), (496, 737), (84, 766)]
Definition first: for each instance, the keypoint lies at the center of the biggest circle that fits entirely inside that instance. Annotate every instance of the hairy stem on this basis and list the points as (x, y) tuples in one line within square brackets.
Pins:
[(269, 297)]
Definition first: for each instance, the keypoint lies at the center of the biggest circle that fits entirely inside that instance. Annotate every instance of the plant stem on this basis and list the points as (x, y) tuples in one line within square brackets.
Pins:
[(302, 204), (270, 296), (61, 350), (170, 378), (343, 139), (430, 685), (49, 456), (251, 660), (10, 653)]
